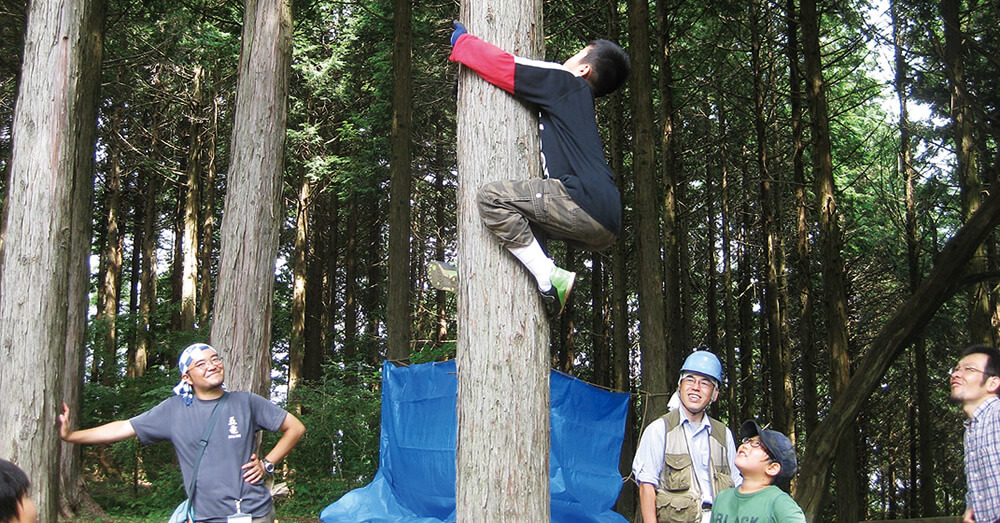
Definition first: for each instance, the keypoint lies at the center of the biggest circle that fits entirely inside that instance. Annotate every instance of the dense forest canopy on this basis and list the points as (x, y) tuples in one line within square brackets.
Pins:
[(791, 173)]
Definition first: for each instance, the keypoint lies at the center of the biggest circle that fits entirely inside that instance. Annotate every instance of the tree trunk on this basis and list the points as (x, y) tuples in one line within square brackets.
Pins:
[(726, 240), (676, 339), (966, 171), (351, 280), (621, 353), (47, 232), (778, 356), (835, 294), (397, 312), (653, 346), (297, 343), (899, 331), (147, 294), (803, 240), (106, 365), (207, 243), (252, 214), (925, 440), (192, 208), (746, 298), (319, 235), (503, 335)]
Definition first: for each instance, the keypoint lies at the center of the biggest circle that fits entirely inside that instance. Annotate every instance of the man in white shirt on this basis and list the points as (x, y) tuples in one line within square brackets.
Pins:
[(685, 458)]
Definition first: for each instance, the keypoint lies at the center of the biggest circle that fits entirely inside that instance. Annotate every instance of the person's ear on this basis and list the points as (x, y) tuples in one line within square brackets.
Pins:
[(715, 394), (187, 379), (993, 384), (773, 469), (584, 70)]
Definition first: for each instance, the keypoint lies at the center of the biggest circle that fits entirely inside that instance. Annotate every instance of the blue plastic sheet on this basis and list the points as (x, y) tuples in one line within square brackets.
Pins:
[(416, 477)]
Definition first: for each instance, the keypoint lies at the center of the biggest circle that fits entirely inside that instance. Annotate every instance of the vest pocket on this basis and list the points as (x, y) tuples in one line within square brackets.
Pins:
[(677, 507), (677, 473)]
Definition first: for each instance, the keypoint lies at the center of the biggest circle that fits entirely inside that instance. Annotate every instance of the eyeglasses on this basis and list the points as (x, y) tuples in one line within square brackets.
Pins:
[(203, 364), (968, 369), (697, 382), (756, 443)]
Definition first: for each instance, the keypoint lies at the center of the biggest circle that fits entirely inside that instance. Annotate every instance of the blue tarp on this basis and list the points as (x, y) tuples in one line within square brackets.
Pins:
[(415, 481)]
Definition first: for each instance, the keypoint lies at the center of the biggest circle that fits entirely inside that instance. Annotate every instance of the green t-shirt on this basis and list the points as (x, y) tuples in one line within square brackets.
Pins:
[(769, 505)]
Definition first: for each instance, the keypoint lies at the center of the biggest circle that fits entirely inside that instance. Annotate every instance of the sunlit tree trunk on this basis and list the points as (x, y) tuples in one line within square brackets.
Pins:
[(192, 208), (503, 333), (137, 362), (241, 325), (42, 306), (106, 344), (397, 315), (207, 243), (297, 343)]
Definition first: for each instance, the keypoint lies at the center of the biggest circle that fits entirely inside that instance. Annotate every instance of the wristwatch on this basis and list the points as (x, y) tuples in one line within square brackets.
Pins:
[(268, 466)]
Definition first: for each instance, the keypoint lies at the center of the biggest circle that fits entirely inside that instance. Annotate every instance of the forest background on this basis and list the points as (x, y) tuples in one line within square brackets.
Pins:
[(791, 174)]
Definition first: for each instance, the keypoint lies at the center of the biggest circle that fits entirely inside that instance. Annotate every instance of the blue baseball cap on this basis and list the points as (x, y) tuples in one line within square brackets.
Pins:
[(778, 447)]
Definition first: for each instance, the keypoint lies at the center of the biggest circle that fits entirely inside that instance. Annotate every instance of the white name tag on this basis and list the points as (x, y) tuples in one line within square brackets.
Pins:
[(239, 518)]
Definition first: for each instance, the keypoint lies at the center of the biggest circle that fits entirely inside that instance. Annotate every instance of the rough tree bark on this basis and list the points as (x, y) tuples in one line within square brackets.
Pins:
[(834, 290), (503, 335), (241, 325), (41, 303), (654, 354), (397, 314)]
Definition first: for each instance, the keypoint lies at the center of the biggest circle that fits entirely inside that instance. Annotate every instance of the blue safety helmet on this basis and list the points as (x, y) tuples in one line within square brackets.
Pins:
[(704, 363)]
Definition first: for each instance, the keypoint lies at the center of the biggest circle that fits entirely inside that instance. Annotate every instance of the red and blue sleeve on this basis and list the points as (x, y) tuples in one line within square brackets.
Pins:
[(491, 63)]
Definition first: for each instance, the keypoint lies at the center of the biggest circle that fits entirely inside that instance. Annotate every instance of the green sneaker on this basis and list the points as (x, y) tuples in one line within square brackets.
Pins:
[(442, 276), (562, 285)]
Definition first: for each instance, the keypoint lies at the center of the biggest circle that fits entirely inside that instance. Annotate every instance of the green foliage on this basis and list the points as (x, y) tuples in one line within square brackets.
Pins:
[(339, 452), (434, 352), (125, 478)]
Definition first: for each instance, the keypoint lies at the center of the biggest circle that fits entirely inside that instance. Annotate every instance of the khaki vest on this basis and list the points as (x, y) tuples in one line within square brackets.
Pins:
[(678, 498)]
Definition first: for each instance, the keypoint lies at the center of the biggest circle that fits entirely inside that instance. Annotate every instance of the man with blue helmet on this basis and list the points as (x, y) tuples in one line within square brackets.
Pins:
[(685, 458)]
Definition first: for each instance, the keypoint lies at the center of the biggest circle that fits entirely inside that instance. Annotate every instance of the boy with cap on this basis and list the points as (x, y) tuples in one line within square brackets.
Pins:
[(766, 458)]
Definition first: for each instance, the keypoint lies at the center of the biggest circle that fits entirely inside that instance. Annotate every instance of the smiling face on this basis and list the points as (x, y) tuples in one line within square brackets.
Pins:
[(206, 372), (697, 392), (969, 383)]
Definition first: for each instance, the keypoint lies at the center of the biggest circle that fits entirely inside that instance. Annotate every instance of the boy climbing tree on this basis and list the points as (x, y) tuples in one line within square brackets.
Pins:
[(576, 200), (502, 358)]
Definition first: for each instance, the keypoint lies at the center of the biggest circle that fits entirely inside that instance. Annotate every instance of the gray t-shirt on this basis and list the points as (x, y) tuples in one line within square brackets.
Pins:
[(220, 479)]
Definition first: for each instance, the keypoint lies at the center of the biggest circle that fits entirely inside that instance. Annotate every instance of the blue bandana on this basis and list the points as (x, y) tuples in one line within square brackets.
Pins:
[(190, 354)]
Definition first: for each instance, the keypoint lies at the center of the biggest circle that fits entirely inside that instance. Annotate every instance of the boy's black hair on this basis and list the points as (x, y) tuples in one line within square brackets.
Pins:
[(992, 359), (13, 488), (609, 66)]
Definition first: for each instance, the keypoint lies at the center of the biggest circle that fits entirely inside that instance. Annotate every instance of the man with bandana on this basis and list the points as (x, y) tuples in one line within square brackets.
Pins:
[(230, 477)]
